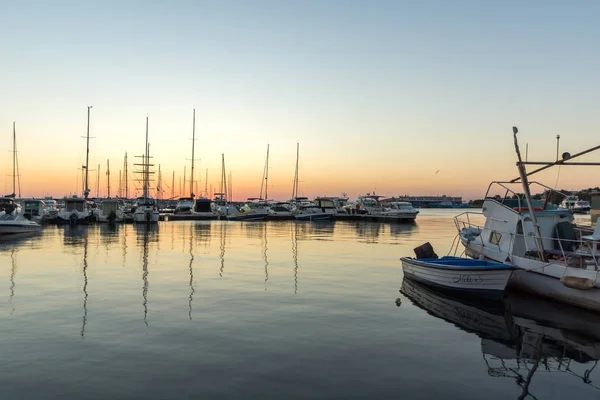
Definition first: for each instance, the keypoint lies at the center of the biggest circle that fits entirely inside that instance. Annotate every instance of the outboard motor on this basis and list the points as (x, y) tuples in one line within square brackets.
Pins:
[(425, 251)]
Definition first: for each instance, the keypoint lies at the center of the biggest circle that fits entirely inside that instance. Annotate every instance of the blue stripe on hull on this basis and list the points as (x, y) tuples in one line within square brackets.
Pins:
[(487, 294)]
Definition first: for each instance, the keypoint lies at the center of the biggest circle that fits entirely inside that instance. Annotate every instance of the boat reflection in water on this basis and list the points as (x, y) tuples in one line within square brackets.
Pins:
[(520, 334)]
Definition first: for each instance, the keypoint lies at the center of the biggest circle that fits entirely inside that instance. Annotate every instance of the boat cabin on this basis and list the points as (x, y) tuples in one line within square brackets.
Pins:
[(509, 227), (109, 206), (145, 202), (203, 205), (34, 208), (75, 204), (326, 204)]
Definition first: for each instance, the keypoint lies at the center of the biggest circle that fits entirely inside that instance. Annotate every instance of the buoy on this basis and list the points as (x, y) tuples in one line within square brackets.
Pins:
[(578, 283)]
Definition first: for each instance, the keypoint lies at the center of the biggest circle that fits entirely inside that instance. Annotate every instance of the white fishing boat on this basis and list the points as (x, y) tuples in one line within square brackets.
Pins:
[(582, 207), (403, 209), (370, 204), (75, 211), (553, 259), (111, 211), (146, 209), (34, 210), (477, 277)]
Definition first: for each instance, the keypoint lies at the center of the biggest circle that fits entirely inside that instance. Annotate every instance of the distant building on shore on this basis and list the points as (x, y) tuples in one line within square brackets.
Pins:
[(431, 201)]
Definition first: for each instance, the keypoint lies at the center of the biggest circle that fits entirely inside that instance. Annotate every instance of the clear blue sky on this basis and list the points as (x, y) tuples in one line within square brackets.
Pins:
[(384, 91)]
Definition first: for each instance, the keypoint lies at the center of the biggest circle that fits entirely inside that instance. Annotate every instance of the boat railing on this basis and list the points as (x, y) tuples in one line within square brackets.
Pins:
[(583, 249)]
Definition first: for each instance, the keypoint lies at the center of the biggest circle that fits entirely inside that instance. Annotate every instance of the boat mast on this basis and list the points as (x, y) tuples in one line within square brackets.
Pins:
[(206, 184), (223, 187), (86, 191), (193, 143), (158, 184), (184, 174), (14, 160), (295, 188), (173, 186), (146, 162), (527, 194), (120, 192), (267, 176), (108, 178), (230, 194), (97, 181), (126, 181)]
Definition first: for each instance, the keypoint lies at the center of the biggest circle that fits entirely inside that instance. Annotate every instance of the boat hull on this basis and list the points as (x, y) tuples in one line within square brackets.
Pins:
[(552, 288), (146, 216), (476, 281), (16, 228), (247, 217), (73, 218), (314, 217)]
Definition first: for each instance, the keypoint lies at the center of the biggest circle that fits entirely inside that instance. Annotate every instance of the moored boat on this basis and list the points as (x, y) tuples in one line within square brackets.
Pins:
[(477, 277), (75, 211), (554, 259)]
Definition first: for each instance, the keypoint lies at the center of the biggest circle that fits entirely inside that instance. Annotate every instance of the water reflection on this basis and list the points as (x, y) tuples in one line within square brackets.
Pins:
[(520, 334), (265, 258), (223, 233), (295, 255), (85, 283), (13, 273), (191, 269)]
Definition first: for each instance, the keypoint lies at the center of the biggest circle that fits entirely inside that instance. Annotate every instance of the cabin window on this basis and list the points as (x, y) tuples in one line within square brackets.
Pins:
[(495, 237)]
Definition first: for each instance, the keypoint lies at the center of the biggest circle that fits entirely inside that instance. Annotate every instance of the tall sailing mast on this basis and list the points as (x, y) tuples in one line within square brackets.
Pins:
[(295, 186), (206, 184), (193, 143), (126, 178), (108, 178), (223, 187), (86, 191), (14, 193), (265, 179)]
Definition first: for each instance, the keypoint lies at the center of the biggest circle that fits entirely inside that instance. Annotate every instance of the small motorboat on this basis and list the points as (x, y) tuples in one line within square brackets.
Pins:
[(478, 277), (13, 223)]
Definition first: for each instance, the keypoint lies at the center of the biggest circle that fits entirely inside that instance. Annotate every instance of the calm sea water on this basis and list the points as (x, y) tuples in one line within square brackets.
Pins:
[(270, 310)]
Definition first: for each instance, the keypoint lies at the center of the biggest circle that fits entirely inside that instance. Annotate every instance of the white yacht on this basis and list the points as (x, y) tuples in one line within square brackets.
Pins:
[(403, 207), (203, 208), (110, 210), (582, 207), (75, 211), (280, 209), (554, 260), (569, 201), (146, 210), (371, 205)]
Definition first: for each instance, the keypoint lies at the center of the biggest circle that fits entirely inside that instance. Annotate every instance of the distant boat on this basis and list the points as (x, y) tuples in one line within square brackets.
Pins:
[(34, 210), (321, 209), (12, 220), (371, 205), (111, 211), (253, 210)]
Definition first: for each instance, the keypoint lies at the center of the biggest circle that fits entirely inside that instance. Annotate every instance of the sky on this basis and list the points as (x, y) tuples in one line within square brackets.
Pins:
[(397, 97)]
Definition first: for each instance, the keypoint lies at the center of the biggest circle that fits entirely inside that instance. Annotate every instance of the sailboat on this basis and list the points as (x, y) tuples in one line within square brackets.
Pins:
[(255, 209), (76, 209), (322, 209), (146, 209), (12, 220)]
